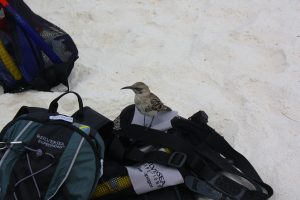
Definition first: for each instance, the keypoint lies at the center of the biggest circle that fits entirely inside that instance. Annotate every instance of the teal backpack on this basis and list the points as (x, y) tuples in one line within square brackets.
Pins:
[(45, 155)]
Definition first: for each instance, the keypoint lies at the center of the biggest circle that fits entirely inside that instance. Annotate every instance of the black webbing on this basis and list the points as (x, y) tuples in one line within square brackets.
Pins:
[(197, 161), (216, 142), (220, 145)]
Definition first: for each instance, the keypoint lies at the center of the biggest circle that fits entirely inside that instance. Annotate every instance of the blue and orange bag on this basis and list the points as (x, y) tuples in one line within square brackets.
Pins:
[(34, 53)]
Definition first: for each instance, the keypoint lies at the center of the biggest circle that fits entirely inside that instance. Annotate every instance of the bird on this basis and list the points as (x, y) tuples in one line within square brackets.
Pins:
[(146, 102)]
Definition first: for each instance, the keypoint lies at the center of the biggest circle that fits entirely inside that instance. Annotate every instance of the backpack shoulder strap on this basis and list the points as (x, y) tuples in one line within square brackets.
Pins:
[(195, 157)]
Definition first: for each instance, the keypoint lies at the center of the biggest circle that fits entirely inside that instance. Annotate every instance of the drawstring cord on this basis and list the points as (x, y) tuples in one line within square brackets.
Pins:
[(38, 152), (34, 180)]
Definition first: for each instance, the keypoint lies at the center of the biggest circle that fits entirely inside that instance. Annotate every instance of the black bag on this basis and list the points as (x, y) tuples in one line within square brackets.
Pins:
[(34, 53), (209, 165), (45, 155)]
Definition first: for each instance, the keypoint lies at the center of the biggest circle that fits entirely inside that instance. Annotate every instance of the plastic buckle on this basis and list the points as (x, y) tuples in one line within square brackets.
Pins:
[(231, 188), (201, 187), (177, 159)]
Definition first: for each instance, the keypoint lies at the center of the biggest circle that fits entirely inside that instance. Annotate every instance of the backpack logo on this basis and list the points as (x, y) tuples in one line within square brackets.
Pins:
[(49, 142)]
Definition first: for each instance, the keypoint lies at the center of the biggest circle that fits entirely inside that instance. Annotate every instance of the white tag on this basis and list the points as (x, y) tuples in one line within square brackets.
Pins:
[(62, 117), (162, 121), (150, 176)]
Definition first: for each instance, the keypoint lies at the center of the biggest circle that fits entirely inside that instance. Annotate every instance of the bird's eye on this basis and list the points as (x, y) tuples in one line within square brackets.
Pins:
[(138, 89)]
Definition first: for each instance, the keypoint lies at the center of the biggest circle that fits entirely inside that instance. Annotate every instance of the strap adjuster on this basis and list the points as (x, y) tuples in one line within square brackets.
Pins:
[(202, 188), (177, 159)]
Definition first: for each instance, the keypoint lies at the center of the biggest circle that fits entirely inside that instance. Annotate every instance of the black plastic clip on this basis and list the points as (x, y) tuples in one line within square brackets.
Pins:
[(177, 159)]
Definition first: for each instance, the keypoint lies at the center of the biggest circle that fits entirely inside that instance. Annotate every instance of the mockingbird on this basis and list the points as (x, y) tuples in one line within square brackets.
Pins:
[(146, 102)]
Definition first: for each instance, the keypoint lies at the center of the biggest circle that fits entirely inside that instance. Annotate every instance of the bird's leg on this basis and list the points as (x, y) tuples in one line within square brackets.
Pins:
[(151, 122)]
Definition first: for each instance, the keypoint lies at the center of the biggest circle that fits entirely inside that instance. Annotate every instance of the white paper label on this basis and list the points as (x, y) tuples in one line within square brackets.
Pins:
[(161, 121), (149, 176), (62, 117)]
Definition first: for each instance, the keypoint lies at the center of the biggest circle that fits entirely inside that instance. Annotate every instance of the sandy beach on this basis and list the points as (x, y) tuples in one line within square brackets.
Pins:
[(236, 60)]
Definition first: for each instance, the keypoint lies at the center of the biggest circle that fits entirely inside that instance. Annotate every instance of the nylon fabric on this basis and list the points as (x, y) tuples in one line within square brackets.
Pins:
[(197, 150), (42, 52), (10, 160), (75, 156)]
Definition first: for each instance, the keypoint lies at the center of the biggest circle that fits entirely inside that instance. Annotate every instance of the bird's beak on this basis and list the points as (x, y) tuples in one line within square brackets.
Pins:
[(127, 87)]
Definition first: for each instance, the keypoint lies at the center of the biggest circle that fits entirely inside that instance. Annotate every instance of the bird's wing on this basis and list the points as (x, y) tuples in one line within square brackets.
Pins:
[(157, 105)]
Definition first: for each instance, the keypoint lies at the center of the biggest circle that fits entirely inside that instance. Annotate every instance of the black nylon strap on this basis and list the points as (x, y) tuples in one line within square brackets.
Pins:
[(54, 104), (225, 165), (178, 144), (218, 143), (200, 186), (215, 179), (221, 145), (165, 140), (198, 166)]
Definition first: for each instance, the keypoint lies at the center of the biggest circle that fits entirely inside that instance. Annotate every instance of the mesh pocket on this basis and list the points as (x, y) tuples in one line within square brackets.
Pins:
[(45, 58), (60, 42)]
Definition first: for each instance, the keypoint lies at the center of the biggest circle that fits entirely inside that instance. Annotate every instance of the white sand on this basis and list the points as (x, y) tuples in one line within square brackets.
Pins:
[(237, 60)]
